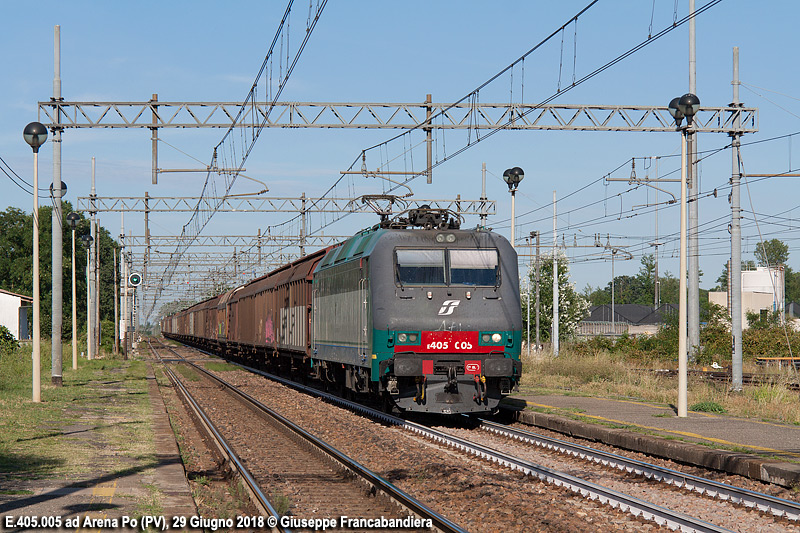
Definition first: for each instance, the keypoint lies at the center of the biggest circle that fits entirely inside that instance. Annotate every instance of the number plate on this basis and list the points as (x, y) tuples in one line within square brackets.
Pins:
[(446, 342)]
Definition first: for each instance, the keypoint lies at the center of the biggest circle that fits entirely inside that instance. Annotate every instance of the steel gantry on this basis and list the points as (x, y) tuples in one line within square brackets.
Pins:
[(262, 204), (154, 114)]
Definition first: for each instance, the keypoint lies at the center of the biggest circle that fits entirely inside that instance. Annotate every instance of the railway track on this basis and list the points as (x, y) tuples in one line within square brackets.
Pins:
[(326, 483), (766, 504), (763, 502)]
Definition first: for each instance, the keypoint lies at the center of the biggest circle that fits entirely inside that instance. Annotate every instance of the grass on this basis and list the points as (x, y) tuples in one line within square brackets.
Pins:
[(281, 503), (215, 366), (188, 372), (615, 376), (707, 407), (104, 402)]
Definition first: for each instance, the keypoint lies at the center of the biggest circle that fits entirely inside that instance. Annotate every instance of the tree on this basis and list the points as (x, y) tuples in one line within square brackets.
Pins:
[(16, 268), (722, 280), (639, 289), (772, 253), (572, 307)]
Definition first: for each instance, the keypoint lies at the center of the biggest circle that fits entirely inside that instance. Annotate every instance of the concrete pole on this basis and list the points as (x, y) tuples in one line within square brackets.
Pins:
[(694, 189), (613, 319), (483, 215), (37, 363), (528, 292), (555, 281), (97, 328), (429, 139), (154, 139), (74, 309), (303, 225), (116, 307), (56, 234), (735, 270), (513, 218), (89, 303), (682, 355), (538, 274), (146, 235), (90, 332)]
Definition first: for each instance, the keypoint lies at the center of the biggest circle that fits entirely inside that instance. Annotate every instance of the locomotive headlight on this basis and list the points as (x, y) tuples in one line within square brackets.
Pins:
[(402, 337), (451, 238), (497, 337), (440, 237), (486, 337), (413, 337)]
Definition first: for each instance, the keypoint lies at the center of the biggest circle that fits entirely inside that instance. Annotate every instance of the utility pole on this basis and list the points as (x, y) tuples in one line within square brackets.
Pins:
[(428, 138), (554, 338), (528, 292), (483, 214), (90, 335), (146, 235), (735, 270), (538, 277), (116, 304), (154, 137), (57, 218), (303, 227), (694, 189)]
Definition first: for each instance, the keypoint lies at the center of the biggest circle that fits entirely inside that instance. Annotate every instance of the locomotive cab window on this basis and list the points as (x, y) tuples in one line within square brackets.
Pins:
[(420, 267), (473, 267), (447, 267)]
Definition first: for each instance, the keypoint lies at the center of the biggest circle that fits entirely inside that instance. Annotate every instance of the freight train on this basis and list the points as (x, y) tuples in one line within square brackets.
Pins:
[(414, 311)]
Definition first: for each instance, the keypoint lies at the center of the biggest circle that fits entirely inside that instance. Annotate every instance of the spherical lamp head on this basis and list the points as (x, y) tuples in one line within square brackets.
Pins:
[(518, 172), (675, 111), (35, 134), (87, 240), (689, 104), (72, 219), (507, 177)]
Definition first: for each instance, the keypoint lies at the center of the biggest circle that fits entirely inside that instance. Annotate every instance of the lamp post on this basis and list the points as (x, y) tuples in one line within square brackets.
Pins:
[(685, 106), (512, 177), (72, 220), (87, 242), (35, 134)]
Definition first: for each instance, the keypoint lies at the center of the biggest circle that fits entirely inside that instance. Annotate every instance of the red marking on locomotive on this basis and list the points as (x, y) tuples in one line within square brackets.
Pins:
[(427, 367), (445, 342), (472, 367)]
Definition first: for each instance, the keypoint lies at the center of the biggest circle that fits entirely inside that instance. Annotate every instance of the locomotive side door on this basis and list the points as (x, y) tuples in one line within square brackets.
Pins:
[(363, 302)]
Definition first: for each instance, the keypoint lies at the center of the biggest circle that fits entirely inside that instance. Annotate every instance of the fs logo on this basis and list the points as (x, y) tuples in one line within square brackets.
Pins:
[(448, 306)]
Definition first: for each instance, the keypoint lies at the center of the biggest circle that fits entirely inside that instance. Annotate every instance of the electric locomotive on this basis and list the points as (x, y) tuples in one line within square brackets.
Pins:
[(414, 310), (430, 316)]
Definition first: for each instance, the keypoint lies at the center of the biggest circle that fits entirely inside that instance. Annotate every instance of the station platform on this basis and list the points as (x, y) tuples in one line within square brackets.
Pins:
[(765, 451), (114, 485)]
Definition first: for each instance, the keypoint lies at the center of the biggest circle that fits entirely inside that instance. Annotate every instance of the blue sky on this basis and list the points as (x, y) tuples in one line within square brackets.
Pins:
[(399, 52)]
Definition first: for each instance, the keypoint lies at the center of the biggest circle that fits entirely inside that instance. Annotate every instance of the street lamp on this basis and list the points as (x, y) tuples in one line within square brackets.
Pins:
[(685, 106), (87, 242), (35, 134), (72, 220), (512, 177)]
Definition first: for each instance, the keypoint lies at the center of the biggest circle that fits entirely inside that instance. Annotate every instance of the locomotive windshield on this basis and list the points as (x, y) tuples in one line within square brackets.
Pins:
[(420, 267), (473, 267), (457, 267)]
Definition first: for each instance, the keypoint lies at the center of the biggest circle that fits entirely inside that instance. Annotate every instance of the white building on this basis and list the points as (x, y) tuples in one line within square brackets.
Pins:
[(763, 288), (14, 313)]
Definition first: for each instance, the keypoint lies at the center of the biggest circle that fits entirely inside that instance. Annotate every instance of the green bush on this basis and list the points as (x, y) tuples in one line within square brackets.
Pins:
[(8, 343)]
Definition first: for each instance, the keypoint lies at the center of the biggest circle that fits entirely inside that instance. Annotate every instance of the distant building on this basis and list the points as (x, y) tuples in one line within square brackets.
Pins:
[(762, 289), (14, 313), (633, 319)]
